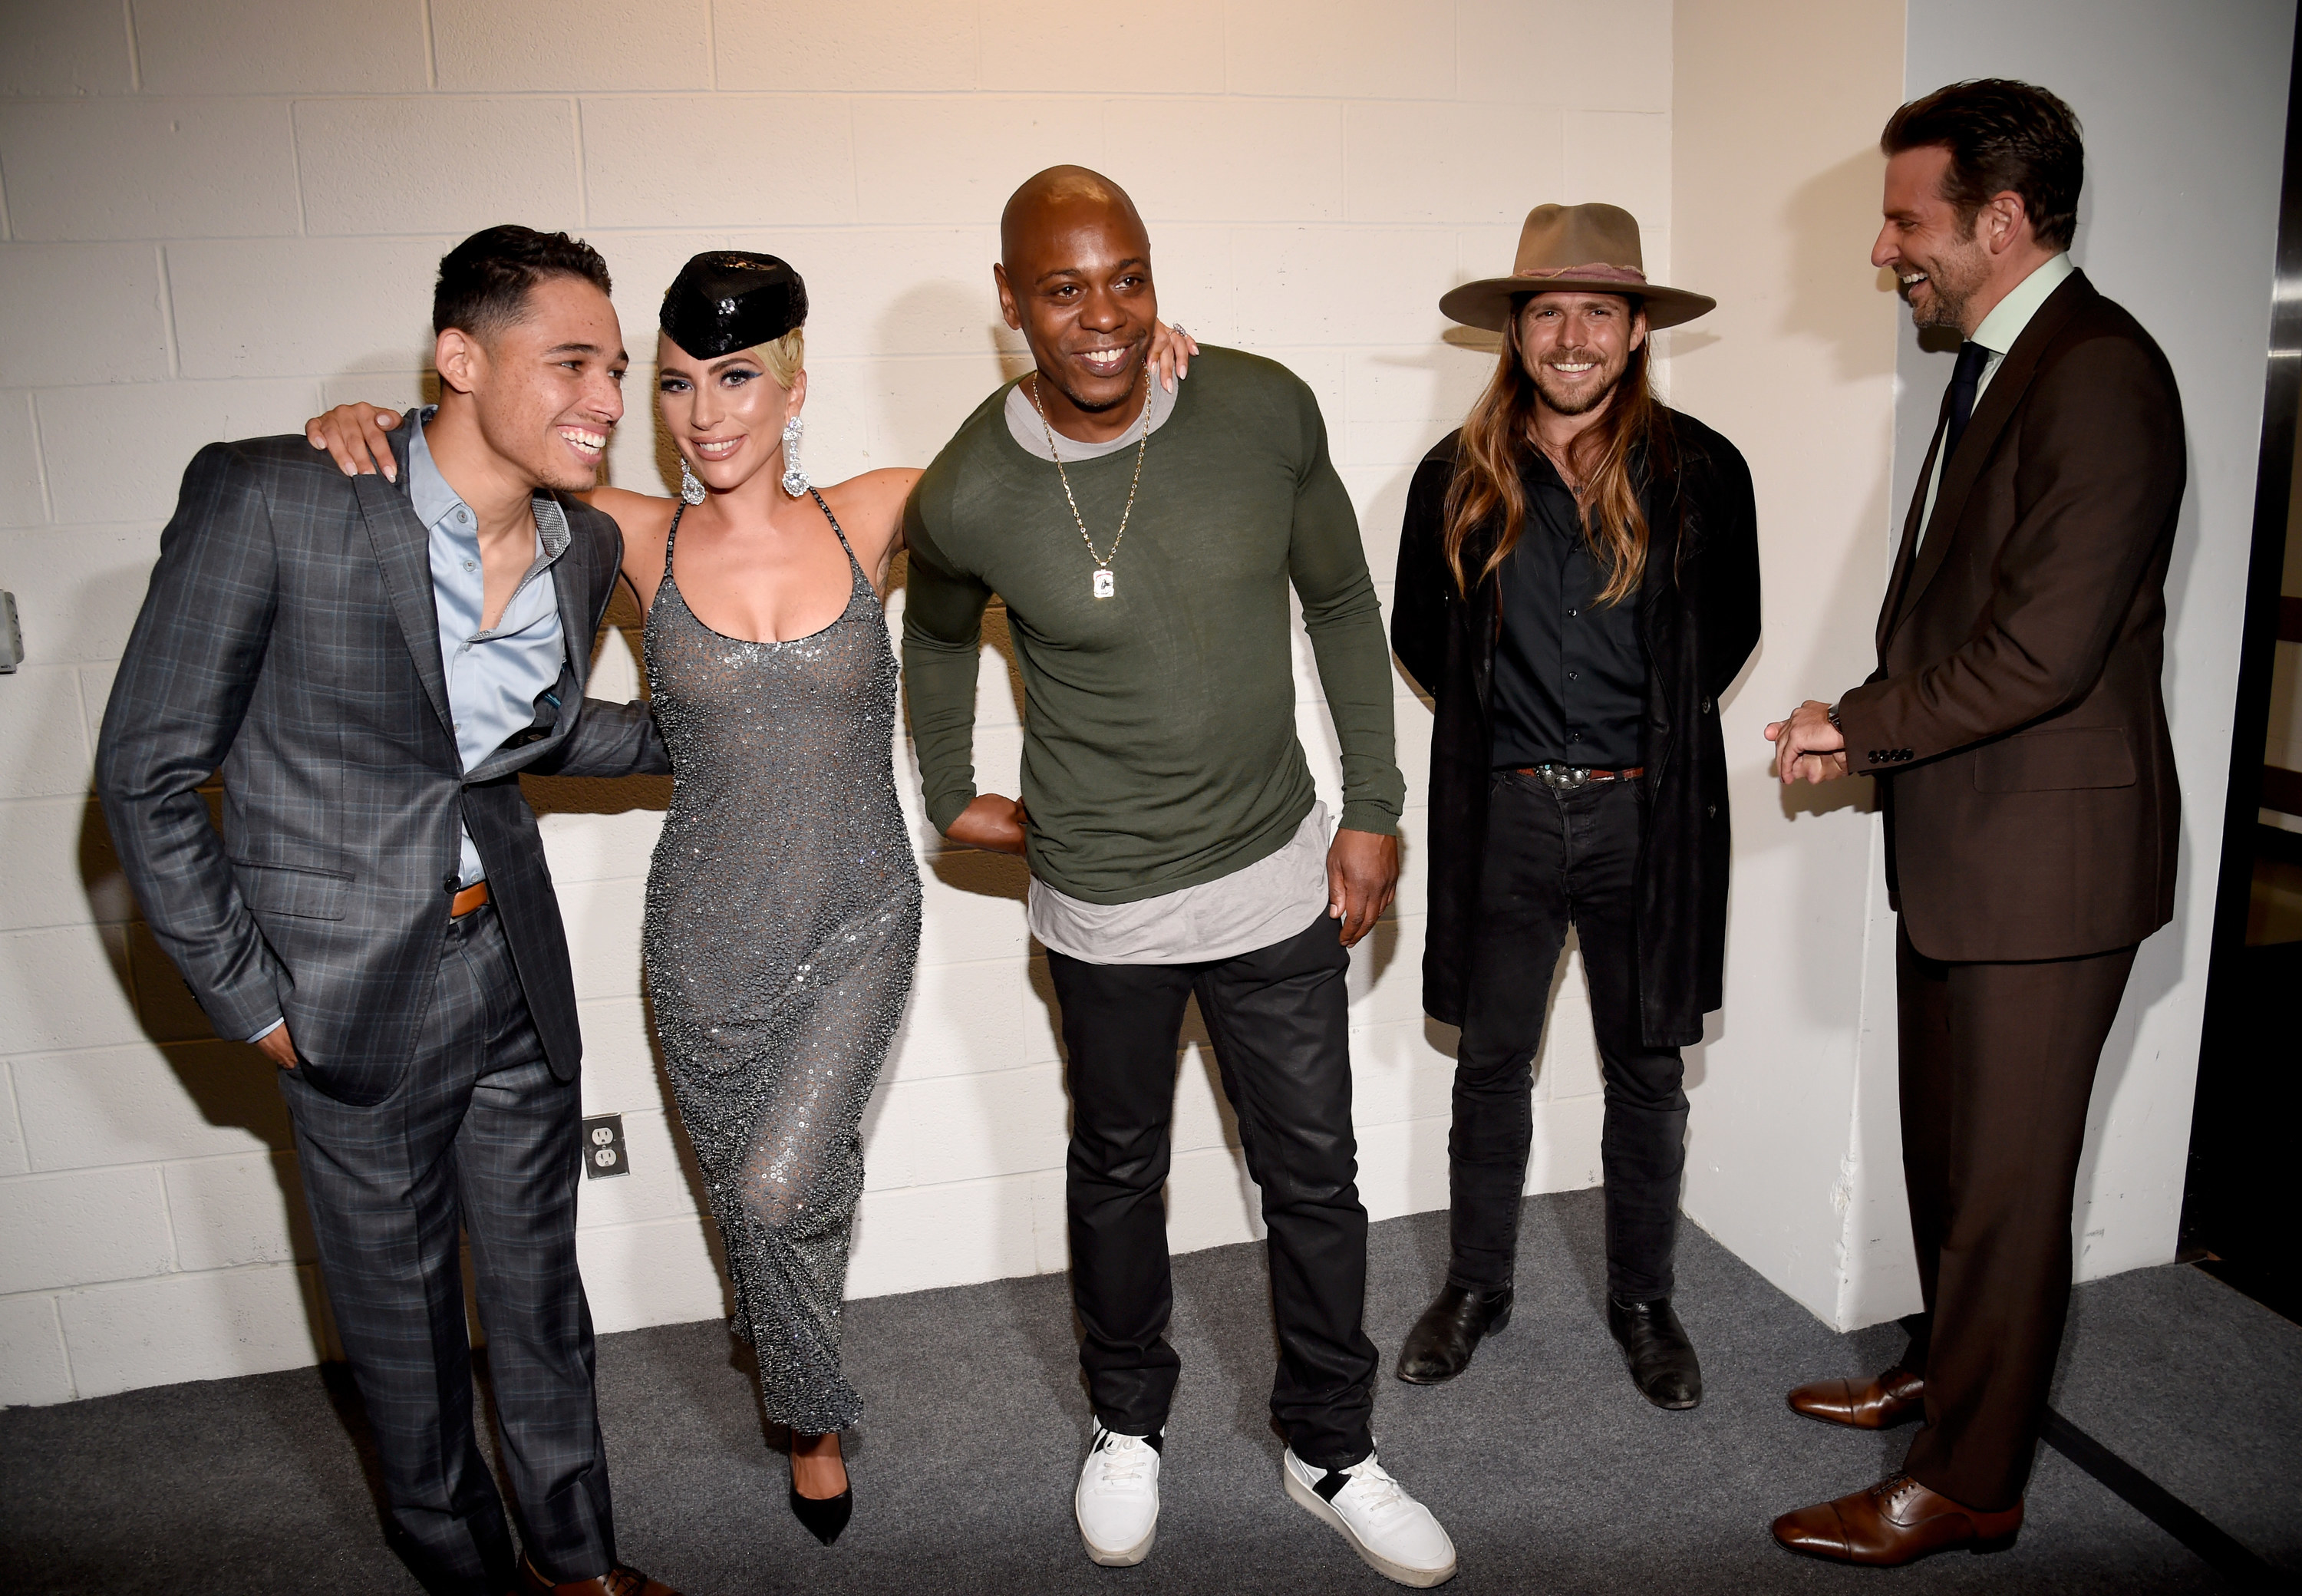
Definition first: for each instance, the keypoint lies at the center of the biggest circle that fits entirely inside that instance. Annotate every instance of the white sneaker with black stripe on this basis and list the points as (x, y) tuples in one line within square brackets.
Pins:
[(1395, 1533), (1117, 1502)]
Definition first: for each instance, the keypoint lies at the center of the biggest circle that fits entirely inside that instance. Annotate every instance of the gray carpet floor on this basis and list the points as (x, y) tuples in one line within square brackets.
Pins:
[(1548, 1470)]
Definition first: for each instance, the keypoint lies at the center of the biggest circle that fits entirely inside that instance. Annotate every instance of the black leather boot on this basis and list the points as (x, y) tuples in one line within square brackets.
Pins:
[(1440, 1346), (1655, 1344)]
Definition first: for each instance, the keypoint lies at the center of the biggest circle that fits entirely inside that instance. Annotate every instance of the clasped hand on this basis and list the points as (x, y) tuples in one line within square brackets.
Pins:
[(1807, 745)]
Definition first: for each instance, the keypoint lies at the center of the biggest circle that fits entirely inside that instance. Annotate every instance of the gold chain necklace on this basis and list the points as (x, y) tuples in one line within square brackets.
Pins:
[(1103, 585)]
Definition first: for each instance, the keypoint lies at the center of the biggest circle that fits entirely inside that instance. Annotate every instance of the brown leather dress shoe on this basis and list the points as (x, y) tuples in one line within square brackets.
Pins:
[(1896, 1396), (618, 1580), (1894, 1522)]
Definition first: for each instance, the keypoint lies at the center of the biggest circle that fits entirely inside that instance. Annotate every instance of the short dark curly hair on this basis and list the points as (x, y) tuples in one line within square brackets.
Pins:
[(483, 281), (2002, 135)]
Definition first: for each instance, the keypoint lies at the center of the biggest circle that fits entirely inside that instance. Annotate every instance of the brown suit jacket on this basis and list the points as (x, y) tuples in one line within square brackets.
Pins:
[(2030, 788)]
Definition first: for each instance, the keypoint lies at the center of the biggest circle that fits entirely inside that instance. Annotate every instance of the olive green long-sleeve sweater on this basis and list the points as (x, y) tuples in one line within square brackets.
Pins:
[(1160, 749)]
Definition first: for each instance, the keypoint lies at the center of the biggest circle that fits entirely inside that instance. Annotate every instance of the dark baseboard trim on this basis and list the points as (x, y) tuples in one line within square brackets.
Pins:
[(2222, 1552)]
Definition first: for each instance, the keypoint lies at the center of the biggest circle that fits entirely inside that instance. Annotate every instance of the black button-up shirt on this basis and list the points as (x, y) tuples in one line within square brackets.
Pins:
[(1570, 684)]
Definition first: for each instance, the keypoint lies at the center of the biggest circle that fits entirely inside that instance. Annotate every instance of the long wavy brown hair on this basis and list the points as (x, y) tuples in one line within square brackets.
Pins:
[(1630, 443)]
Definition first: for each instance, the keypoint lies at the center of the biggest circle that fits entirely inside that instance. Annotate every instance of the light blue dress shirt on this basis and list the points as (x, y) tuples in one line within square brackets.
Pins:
[(495, 675)]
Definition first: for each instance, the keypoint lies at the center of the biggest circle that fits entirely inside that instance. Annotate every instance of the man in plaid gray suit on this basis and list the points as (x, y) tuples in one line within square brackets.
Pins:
[(372, 660)]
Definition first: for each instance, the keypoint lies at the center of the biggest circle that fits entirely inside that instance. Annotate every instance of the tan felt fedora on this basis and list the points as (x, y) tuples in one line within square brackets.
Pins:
[(1577, 249)]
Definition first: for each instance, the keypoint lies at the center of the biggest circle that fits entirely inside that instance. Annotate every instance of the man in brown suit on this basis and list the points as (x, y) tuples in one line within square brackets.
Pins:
[(2016, 725)]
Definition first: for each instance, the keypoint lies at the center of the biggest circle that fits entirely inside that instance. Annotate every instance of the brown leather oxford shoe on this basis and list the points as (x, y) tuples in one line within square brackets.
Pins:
[(1896, 1396), (1894, 1522), (618, 1580)]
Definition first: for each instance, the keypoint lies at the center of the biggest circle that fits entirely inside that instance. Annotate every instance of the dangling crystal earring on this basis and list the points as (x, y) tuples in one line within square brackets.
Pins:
[(795, 478), (691, 491)]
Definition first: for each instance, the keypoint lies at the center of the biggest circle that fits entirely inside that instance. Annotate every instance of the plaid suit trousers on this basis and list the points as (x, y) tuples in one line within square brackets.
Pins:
[(481, 1136)]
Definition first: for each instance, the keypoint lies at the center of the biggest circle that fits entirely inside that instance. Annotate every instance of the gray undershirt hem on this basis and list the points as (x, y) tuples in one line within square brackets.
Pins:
[(1266, 901)]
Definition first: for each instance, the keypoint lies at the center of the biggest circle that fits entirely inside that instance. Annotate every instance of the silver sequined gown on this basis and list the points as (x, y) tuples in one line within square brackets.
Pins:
[(782, 922)]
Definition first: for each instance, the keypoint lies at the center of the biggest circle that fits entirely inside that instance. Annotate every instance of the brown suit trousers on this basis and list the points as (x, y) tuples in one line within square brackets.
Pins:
[(2032, 812)]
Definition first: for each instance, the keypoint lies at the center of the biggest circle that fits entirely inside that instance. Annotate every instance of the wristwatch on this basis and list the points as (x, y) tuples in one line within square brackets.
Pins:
[(1832, 713)]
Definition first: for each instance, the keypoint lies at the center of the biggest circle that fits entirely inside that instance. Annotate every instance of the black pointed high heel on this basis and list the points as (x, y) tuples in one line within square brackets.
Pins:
[(824, 1516)]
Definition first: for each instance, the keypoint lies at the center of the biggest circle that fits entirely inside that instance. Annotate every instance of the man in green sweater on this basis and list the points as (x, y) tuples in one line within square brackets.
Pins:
[(1144, 544)]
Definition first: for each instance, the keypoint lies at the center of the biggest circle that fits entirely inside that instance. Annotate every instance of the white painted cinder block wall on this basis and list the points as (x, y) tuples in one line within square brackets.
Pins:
[(216, 215)]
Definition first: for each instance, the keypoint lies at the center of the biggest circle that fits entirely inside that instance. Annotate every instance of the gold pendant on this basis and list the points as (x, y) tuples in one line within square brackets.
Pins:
[(1105, 584)]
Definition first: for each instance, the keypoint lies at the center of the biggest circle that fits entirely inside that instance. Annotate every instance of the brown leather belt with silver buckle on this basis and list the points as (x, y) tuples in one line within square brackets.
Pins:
[(467, 900), (1568, 779)]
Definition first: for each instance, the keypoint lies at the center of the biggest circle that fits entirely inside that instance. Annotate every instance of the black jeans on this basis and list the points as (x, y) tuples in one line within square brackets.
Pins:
[(1277, 1017), (1554, 859), (480, 1137)]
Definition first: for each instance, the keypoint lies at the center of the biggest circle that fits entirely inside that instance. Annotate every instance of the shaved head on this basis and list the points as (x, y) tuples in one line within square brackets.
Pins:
[(1074, 278), (1059, 195)]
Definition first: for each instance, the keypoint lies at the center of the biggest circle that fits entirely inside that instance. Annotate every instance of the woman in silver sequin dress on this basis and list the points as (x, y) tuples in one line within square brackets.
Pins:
[(783, 902), (783, 920)]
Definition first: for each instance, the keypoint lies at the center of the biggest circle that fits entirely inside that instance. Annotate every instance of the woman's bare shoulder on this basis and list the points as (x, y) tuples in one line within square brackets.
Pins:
[(877, 495), (871, 507)]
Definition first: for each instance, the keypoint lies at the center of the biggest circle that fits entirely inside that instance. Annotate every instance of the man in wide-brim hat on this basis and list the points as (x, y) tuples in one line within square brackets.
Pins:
[(1578, 581)]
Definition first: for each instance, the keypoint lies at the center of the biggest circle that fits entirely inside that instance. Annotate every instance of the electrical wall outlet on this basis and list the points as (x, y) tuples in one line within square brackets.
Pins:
[(603, 1146), (11, 636)]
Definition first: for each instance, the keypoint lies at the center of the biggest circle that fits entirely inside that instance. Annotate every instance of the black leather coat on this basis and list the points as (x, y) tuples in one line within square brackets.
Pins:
[(1699, 621)]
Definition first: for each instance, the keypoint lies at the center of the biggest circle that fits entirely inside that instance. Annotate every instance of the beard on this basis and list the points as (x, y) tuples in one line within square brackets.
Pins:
[(1569, 401), (1952, 280)]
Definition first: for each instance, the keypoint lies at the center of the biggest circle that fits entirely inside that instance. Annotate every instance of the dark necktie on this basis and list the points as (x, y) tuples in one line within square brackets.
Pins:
[(1972, 358)]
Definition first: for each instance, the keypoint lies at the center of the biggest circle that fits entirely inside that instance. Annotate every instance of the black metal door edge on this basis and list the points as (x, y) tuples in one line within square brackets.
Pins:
[(2222, 1552), (2234, 1067)]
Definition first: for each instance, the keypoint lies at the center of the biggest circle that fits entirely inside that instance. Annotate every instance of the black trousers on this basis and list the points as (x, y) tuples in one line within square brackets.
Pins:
[(480, 1138), (1997, 1064), (1278, 1020), (1553, 860)]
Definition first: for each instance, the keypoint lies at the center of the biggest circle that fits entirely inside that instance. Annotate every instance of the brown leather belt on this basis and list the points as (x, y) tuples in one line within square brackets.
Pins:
[(467, 900), (1568, 779)]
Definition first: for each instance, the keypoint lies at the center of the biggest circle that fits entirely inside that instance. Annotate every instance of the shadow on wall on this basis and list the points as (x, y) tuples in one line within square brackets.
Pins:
[(1833, 221), (1827, 254), (229, 1083), (1820, 608), (1828, 251)]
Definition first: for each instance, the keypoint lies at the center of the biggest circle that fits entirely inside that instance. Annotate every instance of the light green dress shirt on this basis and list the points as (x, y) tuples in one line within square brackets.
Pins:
[(1997, 333)]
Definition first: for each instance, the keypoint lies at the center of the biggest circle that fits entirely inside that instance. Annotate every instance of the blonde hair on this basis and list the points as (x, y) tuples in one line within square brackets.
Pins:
[(785, 356)]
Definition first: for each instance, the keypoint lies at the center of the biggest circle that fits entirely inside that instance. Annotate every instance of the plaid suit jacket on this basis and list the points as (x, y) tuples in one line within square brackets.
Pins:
[(290, 637)]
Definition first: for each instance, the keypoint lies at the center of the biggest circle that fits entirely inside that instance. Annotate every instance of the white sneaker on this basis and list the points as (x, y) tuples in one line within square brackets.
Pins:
[(1395, 1533), (1117, 1502)]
